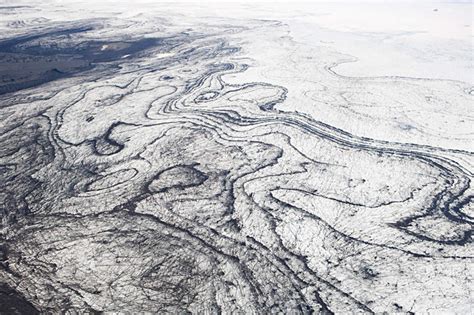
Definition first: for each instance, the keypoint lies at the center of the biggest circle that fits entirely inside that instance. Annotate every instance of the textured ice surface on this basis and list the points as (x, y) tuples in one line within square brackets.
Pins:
[(174, 158)]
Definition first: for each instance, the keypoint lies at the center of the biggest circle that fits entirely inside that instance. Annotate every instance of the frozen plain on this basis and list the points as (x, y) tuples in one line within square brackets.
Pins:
[(236, 158)]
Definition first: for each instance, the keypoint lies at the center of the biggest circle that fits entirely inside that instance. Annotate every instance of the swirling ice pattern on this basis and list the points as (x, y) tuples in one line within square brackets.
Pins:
[(147, 183)]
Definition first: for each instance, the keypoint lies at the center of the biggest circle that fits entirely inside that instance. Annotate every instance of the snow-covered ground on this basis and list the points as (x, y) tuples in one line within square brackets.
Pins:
[(236, 157)]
